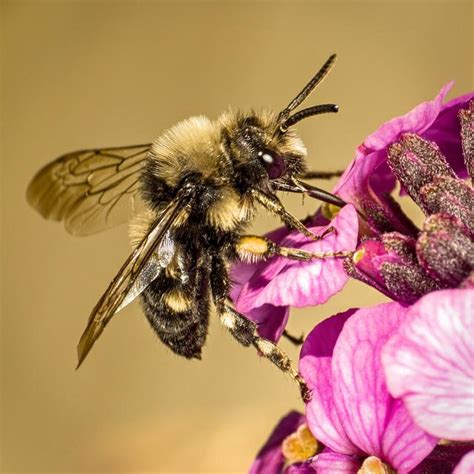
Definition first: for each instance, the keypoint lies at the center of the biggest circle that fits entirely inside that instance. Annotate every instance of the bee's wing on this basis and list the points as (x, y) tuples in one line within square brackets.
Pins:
[(134, 276), (159, 260), (91, 190)]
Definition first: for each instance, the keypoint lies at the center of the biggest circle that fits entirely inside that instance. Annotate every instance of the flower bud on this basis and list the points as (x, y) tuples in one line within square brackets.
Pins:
[(390, 264), (445, 249), (449, 196), (466, 118), (416, 163)]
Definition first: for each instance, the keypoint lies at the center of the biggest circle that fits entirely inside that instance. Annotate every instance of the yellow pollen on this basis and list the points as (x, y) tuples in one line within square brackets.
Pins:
[(358, 255), (299, 446), (329, 211), (373, 465)]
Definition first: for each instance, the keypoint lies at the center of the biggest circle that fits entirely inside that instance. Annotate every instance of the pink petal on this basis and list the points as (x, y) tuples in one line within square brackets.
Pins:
[(429, 362), (285, 282), (354, 183), (370, 161), (315, 367), (375, 422), (335, 463), (446, 132), (271, 320), (466, 466), (301, 468), (270, 459), (417, 120)]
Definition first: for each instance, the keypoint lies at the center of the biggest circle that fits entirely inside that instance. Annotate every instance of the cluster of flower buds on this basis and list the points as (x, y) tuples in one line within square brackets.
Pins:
[(441, 255)]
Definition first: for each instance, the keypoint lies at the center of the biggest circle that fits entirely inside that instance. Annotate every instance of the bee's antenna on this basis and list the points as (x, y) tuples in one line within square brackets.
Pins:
[(284, 119), (312, 84), (316, 110)]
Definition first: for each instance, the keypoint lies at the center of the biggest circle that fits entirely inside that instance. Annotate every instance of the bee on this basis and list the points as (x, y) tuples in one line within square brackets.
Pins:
[(189, 197)]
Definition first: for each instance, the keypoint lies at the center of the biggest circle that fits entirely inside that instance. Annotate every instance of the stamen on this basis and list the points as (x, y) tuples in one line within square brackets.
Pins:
[(373, 465), (300, 446)]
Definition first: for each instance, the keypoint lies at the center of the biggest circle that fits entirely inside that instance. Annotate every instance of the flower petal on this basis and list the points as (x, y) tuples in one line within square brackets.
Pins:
[(335, 463), (270, 458), (429, 362), (271, 320), (446, 132), (417, 120), (370, 160), (375, 422), (301, 468), (466, 466), (315, 367), (283, 282)]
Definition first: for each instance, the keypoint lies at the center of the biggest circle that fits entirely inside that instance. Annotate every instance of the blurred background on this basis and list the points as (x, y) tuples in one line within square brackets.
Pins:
[(92, 74)]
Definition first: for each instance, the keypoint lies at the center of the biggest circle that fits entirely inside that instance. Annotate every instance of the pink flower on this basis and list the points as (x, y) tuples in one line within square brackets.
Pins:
[(429, 363), (400, 260), (351, 411), (368, 179), (270, 459), (407, 262), (392, 412), (264, 291)]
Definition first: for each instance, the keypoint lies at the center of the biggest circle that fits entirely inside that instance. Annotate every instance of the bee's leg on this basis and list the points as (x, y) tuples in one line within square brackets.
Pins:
[(297, 341), (321, 174), (255, 247), (300, 187), (245, 332)]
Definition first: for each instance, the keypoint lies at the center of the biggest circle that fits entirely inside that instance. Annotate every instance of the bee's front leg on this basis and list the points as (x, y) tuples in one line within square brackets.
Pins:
[(254, 247), (321, 174)]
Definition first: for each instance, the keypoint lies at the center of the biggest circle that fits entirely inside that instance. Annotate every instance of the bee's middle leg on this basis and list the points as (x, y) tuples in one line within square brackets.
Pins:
[(245, 332), (255, 247)]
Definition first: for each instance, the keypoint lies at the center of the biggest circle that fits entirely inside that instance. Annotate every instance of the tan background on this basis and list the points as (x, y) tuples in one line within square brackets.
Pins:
[(80, 74)]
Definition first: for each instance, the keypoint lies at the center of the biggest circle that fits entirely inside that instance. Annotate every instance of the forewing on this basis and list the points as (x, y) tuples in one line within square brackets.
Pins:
[(159, 260), (91, 190), (132, 277)]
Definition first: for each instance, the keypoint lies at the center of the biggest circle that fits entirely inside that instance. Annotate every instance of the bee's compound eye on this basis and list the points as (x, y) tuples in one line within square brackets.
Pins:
[(273, 163)]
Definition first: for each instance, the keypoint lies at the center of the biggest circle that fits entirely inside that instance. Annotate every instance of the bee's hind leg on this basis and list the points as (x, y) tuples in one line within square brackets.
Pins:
[(245, 332), (255, 247)]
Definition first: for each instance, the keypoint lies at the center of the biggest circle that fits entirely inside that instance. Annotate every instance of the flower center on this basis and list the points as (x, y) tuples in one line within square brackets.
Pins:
[(300, 446)]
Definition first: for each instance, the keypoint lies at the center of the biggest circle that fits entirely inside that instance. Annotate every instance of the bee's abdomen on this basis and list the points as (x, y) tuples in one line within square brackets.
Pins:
[(178, 313)]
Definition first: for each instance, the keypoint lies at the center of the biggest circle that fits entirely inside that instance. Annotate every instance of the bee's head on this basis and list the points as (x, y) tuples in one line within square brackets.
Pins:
[(260, 156), (264, 147), (267, 155)]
